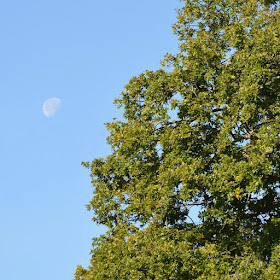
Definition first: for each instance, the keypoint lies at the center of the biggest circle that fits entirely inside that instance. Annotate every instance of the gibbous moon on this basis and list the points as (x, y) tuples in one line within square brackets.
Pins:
[(50, 106)]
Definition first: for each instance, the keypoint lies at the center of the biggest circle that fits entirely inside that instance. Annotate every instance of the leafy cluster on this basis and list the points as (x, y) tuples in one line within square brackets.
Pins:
[(202, 131)]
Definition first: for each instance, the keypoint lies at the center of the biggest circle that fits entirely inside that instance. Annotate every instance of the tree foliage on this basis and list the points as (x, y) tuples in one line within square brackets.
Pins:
[(202, 131)]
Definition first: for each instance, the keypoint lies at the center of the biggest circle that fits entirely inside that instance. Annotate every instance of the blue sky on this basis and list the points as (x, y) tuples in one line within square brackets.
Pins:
[(82, 52)]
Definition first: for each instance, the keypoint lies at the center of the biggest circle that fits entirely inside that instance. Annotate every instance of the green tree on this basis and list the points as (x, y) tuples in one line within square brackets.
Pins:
[(220, 153)]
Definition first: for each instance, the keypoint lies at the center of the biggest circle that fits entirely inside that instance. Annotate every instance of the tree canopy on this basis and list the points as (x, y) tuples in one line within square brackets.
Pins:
[(202, 131)]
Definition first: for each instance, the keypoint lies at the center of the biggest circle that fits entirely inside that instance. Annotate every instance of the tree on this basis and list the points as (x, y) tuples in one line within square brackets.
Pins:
[(220, 153)]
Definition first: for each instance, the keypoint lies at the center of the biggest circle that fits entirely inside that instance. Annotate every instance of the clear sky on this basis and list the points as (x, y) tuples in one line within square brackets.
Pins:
[(82, 52)]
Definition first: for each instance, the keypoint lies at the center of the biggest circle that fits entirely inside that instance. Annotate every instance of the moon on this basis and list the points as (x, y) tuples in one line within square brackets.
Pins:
[(51, 106)]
